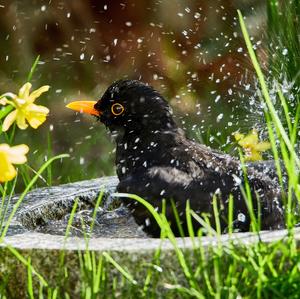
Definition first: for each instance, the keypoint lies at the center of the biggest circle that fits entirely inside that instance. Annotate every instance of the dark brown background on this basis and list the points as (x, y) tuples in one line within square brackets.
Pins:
[(191, 51)]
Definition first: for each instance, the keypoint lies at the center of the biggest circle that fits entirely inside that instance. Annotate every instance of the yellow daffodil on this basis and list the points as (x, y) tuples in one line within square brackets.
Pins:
[(251, 145), (8, 157), (25, 109)]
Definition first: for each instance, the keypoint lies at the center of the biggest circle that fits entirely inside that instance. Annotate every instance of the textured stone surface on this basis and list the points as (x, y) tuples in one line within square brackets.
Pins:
[(38, 241), (134, 255)]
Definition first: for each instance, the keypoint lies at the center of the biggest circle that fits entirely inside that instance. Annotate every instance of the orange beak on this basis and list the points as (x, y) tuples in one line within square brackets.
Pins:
[(84, 107)]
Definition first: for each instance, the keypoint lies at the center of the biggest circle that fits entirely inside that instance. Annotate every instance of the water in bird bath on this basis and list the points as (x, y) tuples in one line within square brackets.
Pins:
[(48, 210)]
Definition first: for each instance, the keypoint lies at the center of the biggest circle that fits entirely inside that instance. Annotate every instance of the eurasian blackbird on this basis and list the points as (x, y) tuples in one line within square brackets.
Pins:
[(156, 161)]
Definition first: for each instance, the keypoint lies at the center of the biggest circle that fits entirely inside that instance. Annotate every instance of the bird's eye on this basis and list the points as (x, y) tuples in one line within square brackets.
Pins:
[(117, 109)]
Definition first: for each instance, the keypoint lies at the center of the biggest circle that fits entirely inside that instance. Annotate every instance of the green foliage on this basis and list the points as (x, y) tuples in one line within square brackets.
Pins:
[(284, 46), (284, 38)]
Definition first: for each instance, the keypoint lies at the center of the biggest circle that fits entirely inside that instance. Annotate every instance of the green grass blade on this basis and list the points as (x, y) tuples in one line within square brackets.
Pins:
[(70, 221), (119, 268), (189, 220), (29, 279), (32, 69), (98, 203), (230, 214), (177, 218)]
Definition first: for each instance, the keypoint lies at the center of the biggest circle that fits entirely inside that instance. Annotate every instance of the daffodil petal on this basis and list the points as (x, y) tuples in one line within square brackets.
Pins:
[(263, 146), (21, 120), (24, 91), (36, 115), (10, 95), (16, 154), (248, 141), (19, 102), (37, 109), (4, 147), (9, 119), (7, 171), (37, 93), (3, 101), (253, 156), (35, 122), (238, 136)]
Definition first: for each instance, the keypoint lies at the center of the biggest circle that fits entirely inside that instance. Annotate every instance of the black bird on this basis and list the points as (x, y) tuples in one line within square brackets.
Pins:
[(156, 161)]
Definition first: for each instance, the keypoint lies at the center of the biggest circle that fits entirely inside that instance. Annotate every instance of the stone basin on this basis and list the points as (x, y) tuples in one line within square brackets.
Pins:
[(133, 254), (38, 231)]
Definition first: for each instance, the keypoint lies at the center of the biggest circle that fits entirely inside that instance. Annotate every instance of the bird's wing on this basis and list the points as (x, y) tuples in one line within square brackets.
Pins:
[(169, 183)]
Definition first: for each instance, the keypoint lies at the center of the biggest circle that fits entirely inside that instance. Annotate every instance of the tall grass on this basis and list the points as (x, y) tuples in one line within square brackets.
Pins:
[(284, 40)]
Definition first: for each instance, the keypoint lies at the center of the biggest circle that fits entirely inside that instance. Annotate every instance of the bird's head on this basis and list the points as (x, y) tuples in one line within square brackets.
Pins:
[(129, 105)]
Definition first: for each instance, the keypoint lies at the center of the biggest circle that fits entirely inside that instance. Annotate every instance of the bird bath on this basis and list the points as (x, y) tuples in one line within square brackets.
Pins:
[(39, 227)]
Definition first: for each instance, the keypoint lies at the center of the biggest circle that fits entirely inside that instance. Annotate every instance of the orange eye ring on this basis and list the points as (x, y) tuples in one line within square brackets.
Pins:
[(117, 109)]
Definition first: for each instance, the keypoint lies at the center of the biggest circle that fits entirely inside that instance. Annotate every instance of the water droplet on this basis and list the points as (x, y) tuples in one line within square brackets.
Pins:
[(219, 117), (217, 99), (241, 217), (197, 15)]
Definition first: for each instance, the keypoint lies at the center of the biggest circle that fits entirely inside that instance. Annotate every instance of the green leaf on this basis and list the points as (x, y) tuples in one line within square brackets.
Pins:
[(33, 68), (4, 111)]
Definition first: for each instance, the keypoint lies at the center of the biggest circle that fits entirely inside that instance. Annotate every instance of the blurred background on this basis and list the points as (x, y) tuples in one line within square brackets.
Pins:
[(192, 51)]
